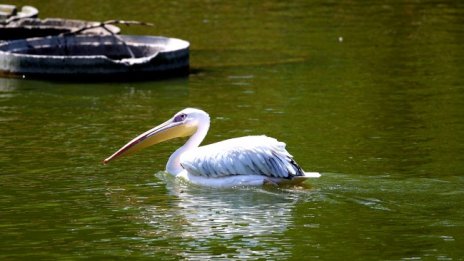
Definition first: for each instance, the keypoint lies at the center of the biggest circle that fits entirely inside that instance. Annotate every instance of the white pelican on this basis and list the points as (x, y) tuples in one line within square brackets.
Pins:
[(244, 161)]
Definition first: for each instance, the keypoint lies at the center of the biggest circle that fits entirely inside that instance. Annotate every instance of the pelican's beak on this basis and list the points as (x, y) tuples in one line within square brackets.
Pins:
[(166, 131)]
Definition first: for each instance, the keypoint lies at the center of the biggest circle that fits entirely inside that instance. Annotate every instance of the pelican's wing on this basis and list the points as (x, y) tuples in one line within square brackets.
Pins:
[(251, 155)]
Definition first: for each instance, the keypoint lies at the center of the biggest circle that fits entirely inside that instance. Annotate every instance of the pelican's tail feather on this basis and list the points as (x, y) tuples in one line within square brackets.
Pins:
[(312, 174)]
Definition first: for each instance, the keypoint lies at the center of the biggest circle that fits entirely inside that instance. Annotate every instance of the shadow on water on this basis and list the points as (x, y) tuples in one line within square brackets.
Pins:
[(91, 78)]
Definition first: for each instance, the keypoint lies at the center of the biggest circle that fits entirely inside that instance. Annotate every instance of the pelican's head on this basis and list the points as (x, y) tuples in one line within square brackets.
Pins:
[(182, 124)]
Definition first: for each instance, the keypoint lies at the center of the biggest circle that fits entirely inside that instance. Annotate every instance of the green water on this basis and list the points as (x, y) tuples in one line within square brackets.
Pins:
[(370, 94)]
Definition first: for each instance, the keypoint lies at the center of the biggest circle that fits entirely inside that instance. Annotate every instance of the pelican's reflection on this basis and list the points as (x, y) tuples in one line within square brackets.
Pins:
[(246, 222)]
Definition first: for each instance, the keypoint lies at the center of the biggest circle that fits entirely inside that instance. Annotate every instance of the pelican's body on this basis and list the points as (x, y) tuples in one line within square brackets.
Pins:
[(250, 160)]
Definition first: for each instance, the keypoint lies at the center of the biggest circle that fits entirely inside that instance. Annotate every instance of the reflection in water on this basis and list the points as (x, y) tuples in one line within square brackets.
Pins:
[(241, 223), (7, 85), (7, 91)]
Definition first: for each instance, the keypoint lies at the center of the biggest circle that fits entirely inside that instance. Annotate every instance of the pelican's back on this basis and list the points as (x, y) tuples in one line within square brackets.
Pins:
[(250, 155)]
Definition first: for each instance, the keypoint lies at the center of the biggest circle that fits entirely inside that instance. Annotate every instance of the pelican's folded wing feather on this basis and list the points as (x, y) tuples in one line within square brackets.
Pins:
[(250, 155)]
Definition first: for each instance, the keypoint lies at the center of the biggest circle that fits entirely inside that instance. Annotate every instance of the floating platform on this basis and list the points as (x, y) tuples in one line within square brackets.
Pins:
[(34, 27), (10, 13), (82, 57)]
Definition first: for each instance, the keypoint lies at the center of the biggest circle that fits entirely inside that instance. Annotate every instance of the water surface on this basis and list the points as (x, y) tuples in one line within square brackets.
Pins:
[(370, 94)]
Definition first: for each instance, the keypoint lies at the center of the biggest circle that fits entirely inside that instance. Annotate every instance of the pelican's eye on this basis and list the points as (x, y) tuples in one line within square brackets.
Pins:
[(180, 117)]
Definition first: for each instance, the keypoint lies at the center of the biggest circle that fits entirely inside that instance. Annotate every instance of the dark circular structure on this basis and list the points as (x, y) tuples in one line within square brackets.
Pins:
[(96, 57)]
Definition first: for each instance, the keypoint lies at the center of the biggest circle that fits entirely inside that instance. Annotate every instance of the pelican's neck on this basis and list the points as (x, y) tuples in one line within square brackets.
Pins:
[(173, 166)]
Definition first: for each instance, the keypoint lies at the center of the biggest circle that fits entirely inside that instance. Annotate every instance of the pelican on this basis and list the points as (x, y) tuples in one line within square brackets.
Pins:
[(243, 161)]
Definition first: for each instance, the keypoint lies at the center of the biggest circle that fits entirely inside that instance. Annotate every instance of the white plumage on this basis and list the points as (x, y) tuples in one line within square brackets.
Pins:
[(250, 160), (250, 155)]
